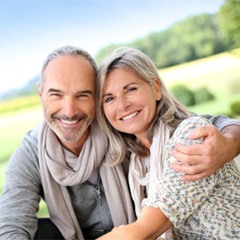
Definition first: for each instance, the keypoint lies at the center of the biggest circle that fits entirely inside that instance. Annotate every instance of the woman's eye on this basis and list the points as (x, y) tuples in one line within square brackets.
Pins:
[(131, 89), (108, 99)]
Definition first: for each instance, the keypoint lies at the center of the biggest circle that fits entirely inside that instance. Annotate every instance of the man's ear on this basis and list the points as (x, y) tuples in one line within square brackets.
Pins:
[(157, 88), (39, 86)]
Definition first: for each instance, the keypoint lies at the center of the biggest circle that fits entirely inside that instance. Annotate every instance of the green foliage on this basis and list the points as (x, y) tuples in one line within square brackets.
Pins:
[(183, 95), (193, 38), (235, 108), (203, 95), (189, 97), (229, 16), (105, 52)]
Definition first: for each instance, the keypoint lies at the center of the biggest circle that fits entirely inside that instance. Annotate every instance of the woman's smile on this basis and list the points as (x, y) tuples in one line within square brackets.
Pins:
[(130, 116)]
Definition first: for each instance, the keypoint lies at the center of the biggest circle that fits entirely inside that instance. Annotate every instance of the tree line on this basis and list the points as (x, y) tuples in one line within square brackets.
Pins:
[(190, 39)]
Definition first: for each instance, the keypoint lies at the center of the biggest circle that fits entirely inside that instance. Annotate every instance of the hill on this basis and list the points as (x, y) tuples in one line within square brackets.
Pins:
[(29, 88), (220, 73)]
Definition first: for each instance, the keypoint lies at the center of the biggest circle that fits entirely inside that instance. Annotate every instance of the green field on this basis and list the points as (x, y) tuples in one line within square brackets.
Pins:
[(220, 73)]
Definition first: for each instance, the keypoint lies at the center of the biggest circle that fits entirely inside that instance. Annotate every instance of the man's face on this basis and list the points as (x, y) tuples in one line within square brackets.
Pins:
[(68, 98)]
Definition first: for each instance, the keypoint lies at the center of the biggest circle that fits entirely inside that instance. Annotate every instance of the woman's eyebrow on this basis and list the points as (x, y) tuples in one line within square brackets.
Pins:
[(132, 83), (107, 94)]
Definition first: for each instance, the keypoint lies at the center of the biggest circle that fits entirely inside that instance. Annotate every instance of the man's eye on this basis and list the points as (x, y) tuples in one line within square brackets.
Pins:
[(55, 95), (83, 96)]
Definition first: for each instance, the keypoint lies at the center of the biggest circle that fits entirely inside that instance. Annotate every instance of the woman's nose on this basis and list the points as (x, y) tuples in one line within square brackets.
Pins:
[(123, 103)]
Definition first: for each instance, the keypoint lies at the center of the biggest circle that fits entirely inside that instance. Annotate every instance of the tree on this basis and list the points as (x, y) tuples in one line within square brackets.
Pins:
[(229, 21), (183, 94), (190, 39)]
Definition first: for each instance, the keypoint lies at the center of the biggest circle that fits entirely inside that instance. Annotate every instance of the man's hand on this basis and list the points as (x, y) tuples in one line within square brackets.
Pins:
[(205, 159)]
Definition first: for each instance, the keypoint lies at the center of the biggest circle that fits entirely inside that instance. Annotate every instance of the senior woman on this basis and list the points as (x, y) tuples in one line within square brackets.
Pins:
[(144, 121)]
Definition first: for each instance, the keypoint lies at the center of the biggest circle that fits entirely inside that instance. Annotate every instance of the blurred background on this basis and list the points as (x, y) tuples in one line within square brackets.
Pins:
[(194, 44)]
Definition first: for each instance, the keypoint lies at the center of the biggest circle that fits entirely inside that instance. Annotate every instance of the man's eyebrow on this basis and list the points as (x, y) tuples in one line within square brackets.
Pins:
[(54, 90), (85, 92), (78, 92)]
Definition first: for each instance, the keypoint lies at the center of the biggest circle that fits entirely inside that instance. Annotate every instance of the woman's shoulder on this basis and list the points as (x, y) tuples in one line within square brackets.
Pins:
[(186, 126), (193, 122)]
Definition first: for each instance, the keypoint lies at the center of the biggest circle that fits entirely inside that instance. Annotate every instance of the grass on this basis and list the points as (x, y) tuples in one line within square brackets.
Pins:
[(13, 127), (220, 73), (16, 104)]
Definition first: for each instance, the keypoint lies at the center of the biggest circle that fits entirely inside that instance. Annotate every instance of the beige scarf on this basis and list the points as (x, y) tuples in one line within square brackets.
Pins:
[(147, 171), (56, 175)]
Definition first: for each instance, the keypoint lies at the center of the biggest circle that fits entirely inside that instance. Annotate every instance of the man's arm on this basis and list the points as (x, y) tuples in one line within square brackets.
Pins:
[(205, 159), (19, 202)]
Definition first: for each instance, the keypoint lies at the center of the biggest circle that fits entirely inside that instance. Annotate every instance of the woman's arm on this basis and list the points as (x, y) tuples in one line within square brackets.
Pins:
[(150, 225)]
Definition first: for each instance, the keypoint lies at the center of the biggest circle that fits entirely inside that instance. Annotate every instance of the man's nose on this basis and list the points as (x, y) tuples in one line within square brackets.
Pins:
[(70, 107)]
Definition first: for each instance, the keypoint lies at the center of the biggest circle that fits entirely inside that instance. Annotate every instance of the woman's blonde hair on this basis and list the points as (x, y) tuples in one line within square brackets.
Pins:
[(169, 111)]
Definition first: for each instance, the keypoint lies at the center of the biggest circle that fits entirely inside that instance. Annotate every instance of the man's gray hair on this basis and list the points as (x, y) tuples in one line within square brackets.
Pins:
[(67, 51)]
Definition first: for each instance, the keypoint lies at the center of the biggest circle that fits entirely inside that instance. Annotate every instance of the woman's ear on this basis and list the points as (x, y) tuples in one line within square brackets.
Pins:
[(157, 88)]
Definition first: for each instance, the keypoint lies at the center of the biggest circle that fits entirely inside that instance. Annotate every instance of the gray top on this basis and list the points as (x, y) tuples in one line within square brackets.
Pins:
[(22, 192)]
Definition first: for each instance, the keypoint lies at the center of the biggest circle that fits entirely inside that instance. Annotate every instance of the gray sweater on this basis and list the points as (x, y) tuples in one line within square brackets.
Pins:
[(23, 191)]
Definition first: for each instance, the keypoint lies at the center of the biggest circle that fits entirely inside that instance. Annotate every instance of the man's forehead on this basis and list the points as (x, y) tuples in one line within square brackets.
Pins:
[(68, 60), (69, 65)]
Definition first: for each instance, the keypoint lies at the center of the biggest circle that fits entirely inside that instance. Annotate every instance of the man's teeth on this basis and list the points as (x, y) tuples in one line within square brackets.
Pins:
[(130, 116), (69, 122)]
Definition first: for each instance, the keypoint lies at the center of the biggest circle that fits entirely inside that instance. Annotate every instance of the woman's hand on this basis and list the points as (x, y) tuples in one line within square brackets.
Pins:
[(150, 225)]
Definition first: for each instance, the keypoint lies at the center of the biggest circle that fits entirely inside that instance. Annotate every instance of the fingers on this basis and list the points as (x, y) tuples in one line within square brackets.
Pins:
[(194, 177), (188, 154), (192, 173), (194, 169), (205, 150), (202, 132)]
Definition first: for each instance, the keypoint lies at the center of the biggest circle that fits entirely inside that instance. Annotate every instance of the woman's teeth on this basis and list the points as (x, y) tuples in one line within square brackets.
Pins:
[(129, 116)]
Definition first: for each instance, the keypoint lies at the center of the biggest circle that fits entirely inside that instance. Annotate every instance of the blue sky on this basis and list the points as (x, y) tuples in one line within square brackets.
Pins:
[(31, 29)]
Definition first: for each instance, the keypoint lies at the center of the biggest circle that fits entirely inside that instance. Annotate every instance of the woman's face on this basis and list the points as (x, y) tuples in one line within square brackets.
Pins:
[(129, 103)]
